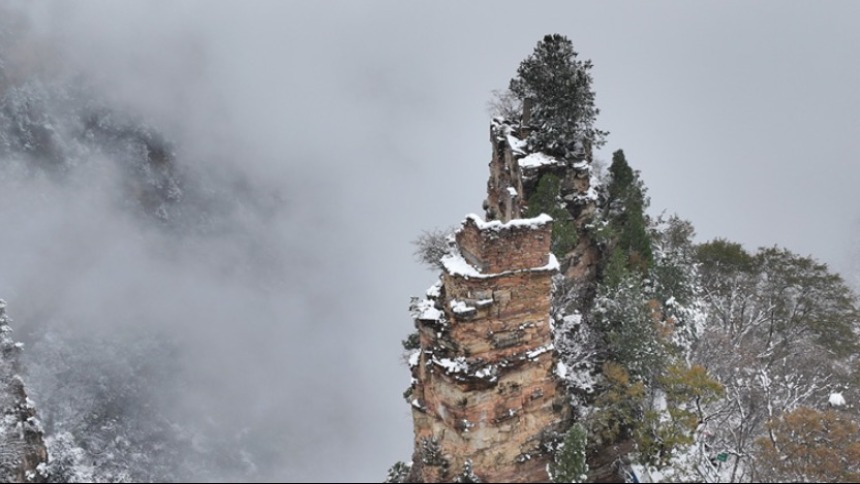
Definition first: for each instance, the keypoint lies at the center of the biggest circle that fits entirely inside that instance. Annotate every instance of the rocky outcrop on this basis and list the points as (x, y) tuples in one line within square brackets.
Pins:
[(514, 175), (484, 396), (485, 400), (22, 449)]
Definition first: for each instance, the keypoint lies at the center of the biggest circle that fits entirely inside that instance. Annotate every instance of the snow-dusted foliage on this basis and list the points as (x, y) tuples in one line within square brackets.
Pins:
[(96, 400), (779, 336), (558, 85), (696, 357), (108, 396), (630, 327), (570, 460), (467, 475), (105, 422), (70, 463), (22, 451), (727, 344), (432, 245), (53, 127), (399, 472)]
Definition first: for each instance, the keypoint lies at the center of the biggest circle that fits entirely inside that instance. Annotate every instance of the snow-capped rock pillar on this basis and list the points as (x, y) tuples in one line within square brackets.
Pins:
[(483, 391)]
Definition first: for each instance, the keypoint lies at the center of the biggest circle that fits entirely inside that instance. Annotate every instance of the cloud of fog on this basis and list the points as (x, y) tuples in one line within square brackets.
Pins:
[(274, 306)]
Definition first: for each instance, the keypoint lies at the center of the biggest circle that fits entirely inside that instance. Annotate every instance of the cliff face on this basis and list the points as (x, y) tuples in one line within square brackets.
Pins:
[(484, 391), (514, 177), (22, 450), (485, 400)]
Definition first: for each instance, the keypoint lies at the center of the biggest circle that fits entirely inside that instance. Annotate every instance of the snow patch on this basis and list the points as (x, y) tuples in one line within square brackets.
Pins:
[(581, 165), (518, 146), (460, 307), (459, 366), (575, 318), (561, 370), (435, 290), (836, 400), (456, 265), (482, 303), (488, 372), (536, 160), (496, 225), (539, 351), (414, 358), (426, 311), (456, 365)]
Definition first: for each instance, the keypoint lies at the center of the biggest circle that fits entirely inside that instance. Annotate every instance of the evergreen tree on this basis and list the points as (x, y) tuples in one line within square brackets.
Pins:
[(570, 462), (468, 475), (399, 472), (546, 199), (618, 407), (626, 214), (674, 273), (559, 86), (628, 323), (671, 425)]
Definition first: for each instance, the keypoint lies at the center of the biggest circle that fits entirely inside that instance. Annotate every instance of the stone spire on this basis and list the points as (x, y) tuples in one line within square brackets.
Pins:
[(484, 394)]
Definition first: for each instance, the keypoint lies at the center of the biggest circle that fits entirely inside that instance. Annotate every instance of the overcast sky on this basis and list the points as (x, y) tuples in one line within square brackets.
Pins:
[(371, 117)]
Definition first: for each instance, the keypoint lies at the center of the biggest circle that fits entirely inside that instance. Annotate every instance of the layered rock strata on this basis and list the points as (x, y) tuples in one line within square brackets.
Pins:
[(483, 393)]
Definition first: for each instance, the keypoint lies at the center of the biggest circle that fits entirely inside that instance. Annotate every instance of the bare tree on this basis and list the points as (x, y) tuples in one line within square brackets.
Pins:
[(506, 104), (432, 245)]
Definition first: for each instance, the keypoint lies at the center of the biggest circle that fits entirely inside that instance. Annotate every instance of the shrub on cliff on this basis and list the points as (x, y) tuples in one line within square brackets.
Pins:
[(431, 246), (399, 472), (570, 462)]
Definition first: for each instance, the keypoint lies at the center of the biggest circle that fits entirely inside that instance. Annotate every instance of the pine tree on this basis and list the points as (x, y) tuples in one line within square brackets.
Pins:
[(559, 86), (626, 214), (570, 463), (629, 327), (468, 475), (399, 472), (546, 199)]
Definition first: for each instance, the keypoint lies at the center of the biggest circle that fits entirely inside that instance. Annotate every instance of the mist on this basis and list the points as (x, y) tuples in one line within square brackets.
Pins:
[(314, 143), (263, 290)]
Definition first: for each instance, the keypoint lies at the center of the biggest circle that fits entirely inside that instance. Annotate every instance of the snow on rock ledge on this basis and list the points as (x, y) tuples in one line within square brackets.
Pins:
[(456, 265), (498, 226), (537, 160)]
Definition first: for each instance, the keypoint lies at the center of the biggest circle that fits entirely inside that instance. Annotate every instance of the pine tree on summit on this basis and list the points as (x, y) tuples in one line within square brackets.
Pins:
[(559, 86)]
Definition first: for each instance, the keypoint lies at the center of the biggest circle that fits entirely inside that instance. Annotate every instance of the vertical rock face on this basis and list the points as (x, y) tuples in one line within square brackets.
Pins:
[(485, 400), (483, 394), (514, 176), (22, 449)]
